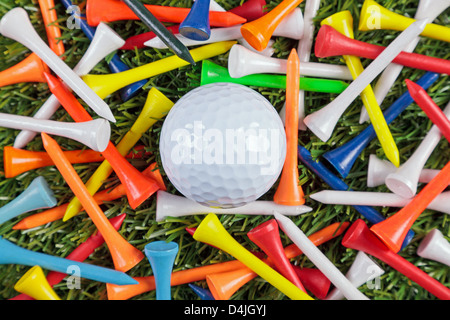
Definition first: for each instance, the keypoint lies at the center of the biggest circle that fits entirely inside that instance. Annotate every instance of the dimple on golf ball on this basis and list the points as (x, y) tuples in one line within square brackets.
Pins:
[(222, 145)]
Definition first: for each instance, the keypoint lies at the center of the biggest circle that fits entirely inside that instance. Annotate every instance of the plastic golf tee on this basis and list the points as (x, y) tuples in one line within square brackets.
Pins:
[(50, 17), (330, 42), (124, 255), (114, 10), (288, 191), (156, 107), (139, 187), (171, 205), (250, 9), (225, 284), (110, 194), (380, 199), (17, 161), (80, 254), (267, 237), (15, 24), (106, 84), (431, 109), (404, 180), (435, 247), (146, 284), (334, 182), (212, 232), (314, 281), (306, 42), (37, 195), (34, 283), (430, 9), (14, 254), (392, 231), (115, 64), (343, 23), (385, 19), (343, 157), (196, 24), (359, 237), (30, 69), (323, 121), (319, 259), (104, 42), (304, 54), (212, 72), (94, 134), (258, 32), (243, 61), (161, 255), (379, 169)]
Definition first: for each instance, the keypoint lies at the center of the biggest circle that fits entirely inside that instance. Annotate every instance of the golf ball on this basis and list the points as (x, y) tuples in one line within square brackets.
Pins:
[(222, 145)]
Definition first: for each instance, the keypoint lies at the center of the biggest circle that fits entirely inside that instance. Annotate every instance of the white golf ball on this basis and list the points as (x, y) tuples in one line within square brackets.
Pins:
[(222, 145)]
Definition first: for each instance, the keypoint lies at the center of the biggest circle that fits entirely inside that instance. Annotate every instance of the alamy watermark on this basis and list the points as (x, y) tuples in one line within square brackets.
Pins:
[(374, 20), (196, 145), (374, 282), (73, 280), (73, 22)]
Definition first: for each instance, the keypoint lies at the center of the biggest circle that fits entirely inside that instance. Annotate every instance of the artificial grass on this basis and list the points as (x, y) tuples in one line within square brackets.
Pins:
[(60, 238)]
